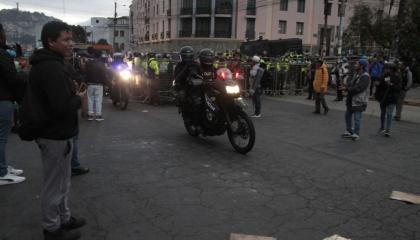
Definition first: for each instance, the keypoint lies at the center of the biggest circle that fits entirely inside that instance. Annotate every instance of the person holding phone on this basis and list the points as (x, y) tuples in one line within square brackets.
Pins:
[(387, 94)]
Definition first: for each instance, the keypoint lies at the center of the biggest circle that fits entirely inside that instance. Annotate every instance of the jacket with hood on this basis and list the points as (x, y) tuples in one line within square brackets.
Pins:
[(11, 82), (358, 92), (50, 104), (389, 93), (321, 79)]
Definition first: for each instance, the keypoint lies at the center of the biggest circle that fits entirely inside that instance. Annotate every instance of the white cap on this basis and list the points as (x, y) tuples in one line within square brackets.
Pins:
[(256, 59)]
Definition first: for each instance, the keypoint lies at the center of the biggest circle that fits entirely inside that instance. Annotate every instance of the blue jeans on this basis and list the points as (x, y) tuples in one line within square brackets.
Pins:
[(386, 116), (357, 121), (6, 117), (75, 154)]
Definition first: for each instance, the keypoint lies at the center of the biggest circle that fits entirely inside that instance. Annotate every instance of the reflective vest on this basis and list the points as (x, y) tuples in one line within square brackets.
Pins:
[(153, 67)]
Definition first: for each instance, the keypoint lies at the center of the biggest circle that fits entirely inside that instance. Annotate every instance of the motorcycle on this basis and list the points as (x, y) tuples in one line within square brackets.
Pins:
[(120, 89), (221, 111)]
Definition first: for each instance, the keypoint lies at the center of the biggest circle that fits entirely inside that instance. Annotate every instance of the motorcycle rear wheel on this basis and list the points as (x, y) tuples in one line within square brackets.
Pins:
[(242, 129)]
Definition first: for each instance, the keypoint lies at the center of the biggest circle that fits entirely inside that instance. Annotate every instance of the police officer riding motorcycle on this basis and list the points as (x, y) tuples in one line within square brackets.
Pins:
[(210, 102), (120, 88)]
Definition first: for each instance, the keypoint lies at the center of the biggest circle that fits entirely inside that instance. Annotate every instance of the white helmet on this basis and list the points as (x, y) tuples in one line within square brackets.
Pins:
[(256, 59)]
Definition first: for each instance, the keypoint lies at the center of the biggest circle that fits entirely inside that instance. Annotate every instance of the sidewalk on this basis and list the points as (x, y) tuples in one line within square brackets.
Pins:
[(413, 97), (411, 113)]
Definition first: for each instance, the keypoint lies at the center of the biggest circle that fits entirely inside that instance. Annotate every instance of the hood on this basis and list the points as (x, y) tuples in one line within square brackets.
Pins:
[(45, 55)]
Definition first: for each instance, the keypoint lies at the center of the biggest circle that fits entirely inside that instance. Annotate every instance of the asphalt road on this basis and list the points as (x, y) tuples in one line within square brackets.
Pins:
[(149, 180)]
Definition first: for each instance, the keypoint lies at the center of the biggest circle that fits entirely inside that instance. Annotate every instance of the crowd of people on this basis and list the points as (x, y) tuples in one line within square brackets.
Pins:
[(50, 92)]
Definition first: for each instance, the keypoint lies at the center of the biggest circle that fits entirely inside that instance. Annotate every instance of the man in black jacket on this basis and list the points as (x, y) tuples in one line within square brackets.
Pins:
[(10, 82), (52, 90)]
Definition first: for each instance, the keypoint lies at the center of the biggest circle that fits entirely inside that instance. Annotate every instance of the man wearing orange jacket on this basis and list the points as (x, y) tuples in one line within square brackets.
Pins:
[(321, 86)]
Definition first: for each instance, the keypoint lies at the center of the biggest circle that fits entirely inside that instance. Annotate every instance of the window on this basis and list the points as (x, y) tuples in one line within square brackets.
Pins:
[(327, 9), (250, 28), (157, 9), (299, 28), (121, 33), (284, 4), (116, 33), (301, 6), (202, 27), (224, 6), (122, 46), (341, 10), (282, 27), (223, 27), (251, 7)]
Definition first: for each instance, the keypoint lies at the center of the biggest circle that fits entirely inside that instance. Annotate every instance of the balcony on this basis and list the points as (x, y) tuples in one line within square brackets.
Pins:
[(168, 34), (252, 11), (202, 33), (222, 34), (185, 33), (186, 11), (224, 10), (203, 10), (250, 34), (168, 12), (146, 19)]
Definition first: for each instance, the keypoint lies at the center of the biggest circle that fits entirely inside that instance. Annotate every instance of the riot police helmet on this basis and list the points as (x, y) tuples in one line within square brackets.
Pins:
[(206, 57), (187, 54)]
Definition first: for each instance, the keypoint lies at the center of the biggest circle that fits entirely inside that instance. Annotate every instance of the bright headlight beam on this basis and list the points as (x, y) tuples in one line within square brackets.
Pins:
[(125, 75), (232, 89)]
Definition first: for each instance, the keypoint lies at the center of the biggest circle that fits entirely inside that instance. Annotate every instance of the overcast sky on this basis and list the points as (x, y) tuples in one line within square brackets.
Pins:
[(71, 11)]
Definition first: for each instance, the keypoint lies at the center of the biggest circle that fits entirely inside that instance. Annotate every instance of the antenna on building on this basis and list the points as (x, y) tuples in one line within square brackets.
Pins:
[(17, 6)]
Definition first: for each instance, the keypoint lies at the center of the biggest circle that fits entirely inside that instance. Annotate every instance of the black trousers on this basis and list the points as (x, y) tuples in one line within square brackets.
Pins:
[(320, 99)]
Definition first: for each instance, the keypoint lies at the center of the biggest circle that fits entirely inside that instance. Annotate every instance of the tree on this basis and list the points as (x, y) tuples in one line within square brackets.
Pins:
[(360, 27), (79, 34), (103, 41)]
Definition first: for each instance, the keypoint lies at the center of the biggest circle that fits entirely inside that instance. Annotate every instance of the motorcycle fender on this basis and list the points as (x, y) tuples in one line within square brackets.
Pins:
[(240, 102)]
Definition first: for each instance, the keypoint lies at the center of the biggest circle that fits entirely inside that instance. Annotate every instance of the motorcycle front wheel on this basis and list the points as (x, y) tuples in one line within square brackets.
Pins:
[(241, 133), (123, 97)]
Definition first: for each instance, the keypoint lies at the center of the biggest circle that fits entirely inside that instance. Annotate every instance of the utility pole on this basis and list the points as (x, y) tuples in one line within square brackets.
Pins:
[(17, 6), (341, 27), (115, 23), (323, 47)]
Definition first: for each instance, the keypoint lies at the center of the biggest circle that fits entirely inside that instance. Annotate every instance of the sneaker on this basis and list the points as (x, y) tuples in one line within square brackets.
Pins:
[(256, 116), (387, 133), (382, 131), (60, 234), (14, 171), (99, 118), (355, 137), (91, 118), (346, 134), (79, 171), (74, 223), (11, 179), (326, 111)]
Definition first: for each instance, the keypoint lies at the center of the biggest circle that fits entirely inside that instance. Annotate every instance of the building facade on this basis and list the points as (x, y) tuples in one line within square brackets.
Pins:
[(166, 25), (103, 28)]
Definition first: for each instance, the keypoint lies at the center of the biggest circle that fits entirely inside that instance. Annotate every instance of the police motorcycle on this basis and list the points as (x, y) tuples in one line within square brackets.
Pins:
[(221, 111), (120, 85)]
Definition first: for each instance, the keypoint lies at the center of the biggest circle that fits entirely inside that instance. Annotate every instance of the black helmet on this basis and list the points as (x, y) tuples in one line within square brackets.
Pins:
[(206, 57), (152, 54), (187, 54)]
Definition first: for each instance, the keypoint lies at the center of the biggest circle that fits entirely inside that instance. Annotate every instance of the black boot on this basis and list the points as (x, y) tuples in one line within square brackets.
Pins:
[(60, 234)]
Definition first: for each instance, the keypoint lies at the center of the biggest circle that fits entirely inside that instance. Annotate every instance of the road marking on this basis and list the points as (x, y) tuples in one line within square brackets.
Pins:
[(236, 236), (336, 237)]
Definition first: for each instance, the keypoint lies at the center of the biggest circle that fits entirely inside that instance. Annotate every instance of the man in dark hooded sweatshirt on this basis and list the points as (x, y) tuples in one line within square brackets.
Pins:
[(52, 94)]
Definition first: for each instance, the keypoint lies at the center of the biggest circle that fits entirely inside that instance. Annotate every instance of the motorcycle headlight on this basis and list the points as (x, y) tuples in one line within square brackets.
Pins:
[(125, 75), (232, 89)]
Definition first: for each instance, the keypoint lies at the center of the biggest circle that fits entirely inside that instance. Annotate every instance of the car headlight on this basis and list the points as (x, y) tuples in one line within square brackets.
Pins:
[(125, 75), (232, 89)]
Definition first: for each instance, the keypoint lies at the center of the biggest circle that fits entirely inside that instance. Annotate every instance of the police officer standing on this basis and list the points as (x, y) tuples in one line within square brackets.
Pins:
[(153, 73)]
